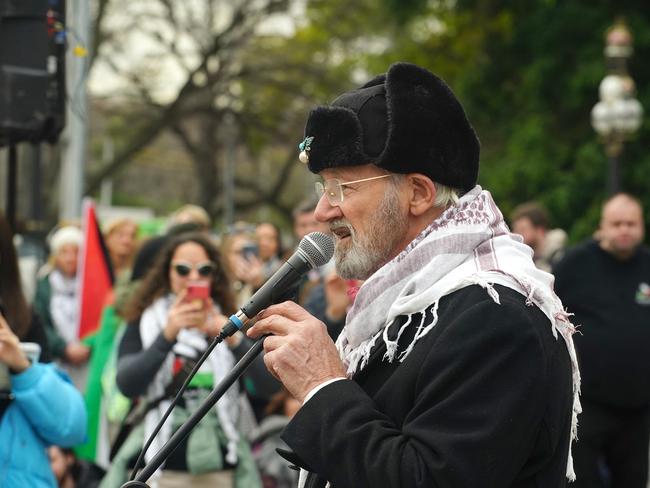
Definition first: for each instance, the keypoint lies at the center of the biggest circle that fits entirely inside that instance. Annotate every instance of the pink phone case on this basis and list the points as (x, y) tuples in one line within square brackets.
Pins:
[(197, 291)]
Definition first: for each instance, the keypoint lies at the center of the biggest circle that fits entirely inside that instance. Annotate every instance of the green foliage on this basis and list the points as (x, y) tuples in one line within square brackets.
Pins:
[(528, 75), (526, 72)]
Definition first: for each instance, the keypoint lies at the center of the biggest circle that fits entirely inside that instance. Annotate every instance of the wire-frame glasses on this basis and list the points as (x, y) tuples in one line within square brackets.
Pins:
[(333, 188)]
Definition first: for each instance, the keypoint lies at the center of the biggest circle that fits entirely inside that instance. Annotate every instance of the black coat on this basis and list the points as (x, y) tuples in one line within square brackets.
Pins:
[(484, 400), (613, 345)]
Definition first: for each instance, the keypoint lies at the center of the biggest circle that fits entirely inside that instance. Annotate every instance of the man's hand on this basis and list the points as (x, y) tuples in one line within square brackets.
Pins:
[(10, 352), (299, 352)]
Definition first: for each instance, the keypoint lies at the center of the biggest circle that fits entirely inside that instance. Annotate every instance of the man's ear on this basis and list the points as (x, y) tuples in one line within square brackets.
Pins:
[(422, 193)]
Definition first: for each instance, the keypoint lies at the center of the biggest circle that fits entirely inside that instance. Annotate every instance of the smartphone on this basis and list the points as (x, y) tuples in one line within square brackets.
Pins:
[(32, 350), (249, 251), (197, 290)]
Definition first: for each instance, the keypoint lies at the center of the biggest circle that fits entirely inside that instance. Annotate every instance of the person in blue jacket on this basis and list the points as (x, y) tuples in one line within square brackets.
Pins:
[(39, 406)]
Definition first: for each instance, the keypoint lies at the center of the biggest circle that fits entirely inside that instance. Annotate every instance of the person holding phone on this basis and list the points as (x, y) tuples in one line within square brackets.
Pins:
[(39, 406), (269, 244), (245, 268), (175, 312)]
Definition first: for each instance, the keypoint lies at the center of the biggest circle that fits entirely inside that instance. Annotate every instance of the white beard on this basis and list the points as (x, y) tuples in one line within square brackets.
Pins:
[(363, 254)]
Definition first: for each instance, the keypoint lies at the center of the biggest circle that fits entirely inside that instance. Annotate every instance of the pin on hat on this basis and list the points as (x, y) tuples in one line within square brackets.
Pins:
[(304, 147)]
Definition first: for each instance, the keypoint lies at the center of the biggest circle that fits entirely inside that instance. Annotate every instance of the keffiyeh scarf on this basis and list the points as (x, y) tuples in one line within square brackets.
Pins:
[(188, 344), (469, 244), (64, 305)]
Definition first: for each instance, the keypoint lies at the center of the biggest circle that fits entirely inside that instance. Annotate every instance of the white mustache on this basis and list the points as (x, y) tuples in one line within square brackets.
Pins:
[(341, 223)]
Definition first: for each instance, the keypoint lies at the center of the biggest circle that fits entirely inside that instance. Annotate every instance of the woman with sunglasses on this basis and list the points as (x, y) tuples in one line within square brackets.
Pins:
[(169, 328)]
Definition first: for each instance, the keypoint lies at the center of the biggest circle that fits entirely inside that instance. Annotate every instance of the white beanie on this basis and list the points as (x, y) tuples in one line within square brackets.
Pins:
[(65, 235)]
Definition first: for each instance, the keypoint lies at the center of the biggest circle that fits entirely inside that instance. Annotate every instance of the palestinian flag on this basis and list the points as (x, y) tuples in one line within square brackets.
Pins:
[(97, 324), (105, 404), (95, 273)]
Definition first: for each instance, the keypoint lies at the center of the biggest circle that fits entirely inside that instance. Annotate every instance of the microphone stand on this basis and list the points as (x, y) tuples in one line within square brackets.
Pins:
[(195, 418)]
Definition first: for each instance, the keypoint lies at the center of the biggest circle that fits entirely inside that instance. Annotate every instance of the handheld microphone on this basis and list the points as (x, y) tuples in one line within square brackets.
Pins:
[(314, 250)]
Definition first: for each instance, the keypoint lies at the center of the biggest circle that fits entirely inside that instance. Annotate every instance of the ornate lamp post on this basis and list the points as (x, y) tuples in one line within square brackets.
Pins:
[(618, 114)]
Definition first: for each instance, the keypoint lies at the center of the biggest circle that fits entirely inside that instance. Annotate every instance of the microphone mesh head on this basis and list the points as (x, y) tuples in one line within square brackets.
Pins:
[(318, 248)]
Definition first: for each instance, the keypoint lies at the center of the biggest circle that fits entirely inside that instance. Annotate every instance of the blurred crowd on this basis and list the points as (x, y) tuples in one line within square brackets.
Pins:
[(172, 292), (76, 411)]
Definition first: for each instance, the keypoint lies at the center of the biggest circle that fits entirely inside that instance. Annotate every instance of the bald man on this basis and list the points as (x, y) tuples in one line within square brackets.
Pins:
[(606, 284)]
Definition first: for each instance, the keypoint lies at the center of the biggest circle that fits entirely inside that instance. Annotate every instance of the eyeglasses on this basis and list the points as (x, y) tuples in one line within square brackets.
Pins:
[(333, 188), (203, 269)]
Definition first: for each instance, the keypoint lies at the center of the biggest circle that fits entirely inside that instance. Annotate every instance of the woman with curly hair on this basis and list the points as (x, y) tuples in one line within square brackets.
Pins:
[(167, 333)]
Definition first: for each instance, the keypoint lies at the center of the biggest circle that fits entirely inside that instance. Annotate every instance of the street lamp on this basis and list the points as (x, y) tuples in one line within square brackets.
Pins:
[(618, 115)]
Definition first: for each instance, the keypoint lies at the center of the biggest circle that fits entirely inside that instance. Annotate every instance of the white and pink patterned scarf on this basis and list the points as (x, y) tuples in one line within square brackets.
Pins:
[(189, 343), (469, 244)]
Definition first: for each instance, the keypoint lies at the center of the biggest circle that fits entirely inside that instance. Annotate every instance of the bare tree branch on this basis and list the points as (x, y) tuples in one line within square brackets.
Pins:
[(139, 85), (141, 138), (98, 35), (136, 143), (195, 99)]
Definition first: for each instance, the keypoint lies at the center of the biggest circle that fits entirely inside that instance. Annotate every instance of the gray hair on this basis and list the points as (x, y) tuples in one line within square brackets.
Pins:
[(446, 196)]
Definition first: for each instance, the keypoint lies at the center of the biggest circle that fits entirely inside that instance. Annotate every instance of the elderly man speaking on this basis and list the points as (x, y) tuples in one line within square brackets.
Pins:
[(456, 366)]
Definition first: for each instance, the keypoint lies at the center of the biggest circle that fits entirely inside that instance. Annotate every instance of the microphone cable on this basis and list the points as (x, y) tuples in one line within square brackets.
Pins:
[(140, 461)]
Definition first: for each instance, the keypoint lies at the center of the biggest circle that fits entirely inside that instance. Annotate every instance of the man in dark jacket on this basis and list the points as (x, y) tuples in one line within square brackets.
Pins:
[(606, 284), (456, 366)]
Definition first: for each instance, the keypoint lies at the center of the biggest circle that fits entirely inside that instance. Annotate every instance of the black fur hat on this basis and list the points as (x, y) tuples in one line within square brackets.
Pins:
[(405, 121)]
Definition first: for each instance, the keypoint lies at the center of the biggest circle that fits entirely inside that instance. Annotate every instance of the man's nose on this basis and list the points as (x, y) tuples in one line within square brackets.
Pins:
[(325, 211)]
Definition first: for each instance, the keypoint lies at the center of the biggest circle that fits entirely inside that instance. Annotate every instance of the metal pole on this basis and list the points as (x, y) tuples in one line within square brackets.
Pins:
[(75, 155), (614, 149), (36, 208), (106, 189), (11, 186), (614, 179)]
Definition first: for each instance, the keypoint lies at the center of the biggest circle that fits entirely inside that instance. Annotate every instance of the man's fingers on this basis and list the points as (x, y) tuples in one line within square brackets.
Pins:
[(280, 319), (271, 343), (288, 309), (271, 324), (269, 363)]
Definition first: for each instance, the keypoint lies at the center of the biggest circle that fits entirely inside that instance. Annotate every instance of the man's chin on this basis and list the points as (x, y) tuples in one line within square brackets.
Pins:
[(343, 266), (625, 249), (351, 272)]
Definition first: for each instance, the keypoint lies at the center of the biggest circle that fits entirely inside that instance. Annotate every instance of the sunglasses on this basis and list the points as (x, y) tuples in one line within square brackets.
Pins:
[(203, 269)]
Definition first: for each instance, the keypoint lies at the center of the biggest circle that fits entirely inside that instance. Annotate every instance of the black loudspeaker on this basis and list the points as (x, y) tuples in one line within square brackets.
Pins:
[(32, 70)]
